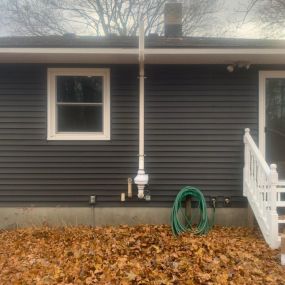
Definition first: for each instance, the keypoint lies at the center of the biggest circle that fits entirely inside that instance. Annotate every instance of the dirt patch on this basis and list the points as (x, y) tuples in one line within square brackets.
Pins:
[(136, 255)]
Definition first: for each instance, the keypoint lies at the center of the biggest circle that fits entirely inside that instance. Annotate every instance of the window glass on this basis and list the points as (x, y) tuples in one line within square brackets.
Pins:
[(80, 118), (79, 89)]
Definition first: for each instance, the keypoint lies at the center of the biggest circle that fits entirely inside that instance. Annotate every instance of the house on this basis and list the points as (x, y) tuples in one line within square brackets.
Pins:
[(76, 112)]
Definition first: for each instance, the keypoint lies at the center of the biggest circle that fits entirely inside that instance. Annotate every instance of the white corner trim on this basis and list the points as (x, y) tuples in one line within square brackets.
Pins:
[(52, 133), (263, 75)]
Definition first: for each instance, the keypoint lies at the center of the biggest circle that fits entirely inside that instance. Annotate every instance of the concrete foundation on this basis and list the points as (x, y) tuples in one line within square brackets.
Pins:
[(63, 216)]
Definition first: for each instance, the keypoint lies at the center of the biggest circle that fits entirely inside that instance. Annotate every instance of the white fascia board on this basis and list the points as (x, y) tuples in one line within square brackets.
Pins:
[(69, 50), (150, 51), (213, 51), (69, 55), (152, 55)]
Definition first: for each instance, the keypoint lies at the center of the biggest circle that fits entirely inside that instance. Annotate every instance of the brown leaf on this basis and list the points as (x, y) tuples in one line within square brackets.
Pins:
[(142, 254)]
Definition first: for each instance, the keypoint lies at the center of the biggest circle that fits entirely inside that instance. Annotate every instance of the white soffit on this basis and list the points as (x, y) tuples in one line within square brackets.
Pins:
[(152, 56)]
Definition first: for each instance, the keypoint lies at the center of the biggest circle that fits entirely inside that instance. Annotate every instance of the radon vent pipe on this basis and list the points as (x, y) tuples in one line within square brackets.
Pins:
[(142, 178)]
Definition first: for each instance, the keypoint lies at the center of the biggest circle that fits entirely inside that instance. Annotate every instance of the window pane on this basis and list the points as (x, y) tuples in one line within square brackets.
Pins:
[(79, 118), (81, 89)]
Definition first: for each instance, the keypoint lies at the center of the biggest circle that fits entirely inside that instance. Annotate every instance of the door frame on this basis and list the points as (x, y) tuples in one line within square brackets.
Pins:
[(263, 75)]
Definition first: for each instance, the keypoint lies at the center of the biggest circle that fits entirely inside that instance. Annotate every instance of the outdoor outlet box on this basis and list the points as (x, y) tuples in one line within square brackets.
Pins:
[(227, 201), (92, 200), (147, 197), (214, 202)]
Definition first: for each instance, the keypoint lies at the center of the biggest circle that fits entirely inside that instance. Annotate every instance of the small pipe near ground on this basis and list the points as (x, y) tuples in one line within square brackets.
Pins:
[(130, 187), (92, 202)]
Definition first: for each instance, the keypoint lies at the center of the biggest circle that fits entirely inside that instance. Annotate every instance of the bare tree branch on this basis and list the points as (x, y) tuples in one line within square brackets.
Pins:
[(270, 14), (102, 17)]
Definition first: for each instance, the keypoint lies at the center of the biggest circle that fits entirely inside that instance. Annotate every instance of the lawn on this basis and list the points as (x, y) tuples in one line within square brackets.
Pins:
[(136, 255)]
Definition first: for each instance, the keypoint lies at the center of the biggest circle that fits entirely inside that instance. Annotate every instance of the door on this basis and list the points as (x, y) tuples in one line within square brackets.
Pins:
[(272, 118)]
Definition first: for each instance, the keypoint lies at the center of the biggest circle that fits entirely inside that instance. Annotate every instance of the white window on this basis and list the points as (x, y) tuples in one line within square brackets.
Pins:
[(78, 104)]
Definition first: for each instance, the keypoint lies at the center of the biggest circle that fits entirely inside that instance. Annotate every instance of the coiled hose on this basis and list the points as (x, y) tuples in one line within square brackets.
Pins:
[(203, 226)]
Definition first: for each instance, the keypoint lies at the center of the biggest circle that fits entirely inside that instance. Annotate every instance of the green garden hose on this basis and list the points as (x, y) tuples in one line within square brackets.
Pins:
[(203, 226)]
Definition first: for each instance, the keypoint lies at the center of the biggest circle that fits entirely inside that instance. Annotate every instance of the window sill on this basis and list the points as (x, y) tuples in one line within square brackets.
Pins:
[(79, 137)]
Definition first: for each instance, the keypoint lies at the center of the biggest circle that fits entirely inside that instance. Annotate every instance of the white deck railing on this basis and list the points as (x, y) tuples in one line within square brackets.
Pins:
[(261, 187)]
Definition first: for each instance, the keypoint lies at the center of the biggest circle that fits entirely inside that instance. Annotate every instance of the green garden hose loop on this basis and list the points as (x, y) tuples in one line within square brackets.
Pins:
[(203, 226)]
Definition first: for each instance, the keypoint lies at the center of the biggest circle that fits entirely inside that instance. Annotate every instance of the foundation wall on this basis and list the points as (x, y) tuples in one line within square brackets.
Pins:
[(65, 216)]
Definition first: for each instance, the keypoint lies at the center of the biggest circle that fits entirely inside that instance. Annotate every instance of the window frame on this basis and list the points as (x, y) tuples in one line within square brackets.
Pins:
[(52, 133), (263, 75)]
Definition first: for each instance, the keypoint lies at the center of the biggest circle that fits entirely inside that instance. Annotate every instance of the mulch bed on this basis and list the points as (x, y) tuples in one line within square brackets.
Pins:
[(136, 255)]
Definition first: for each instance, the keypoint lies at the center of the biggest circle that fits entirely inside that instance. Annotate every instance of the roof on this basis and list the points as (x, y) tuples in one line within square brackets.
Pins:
[(152, 41)]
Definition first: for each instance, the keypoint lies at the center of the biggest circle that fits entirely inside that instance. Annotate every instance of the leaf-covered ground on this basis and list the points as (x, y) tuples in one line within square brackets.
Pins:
[(136, 255)]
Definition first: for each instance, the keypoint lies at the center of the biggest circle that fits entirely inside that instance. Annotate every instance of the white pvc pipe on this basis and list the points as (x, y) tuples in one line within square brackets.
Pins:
[(141, 179), (141, 96), (141, 118)]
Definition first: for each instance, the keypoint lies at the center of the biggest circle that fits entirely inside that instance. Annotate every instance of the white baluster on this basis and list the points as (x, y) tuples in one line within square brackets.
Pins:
[(274, 231), (246, 163)]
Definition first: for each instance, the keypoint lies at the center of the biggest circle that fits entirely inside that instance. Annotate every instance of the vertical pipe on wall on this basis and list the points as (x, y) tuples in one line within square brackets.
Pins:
[(141, 118), (130, 188), (141, 179), (141, 96)]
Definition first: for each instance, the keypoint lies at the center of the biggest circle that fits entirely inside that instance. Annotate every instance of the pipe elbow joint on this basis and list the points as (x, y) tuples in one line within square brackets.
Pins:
[(141, 180), (141, 194)]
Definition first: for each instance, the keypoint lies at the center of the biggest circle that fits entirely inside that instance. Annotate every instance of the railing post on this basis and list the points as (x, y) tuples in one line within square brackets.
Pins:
[(274, 229), (246, 162)]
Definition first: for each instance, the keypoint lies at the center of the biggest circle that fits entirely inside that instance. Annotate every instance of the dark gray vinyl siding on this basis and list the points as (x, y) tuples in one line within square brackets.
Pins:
[(195, 119), (194, 122)]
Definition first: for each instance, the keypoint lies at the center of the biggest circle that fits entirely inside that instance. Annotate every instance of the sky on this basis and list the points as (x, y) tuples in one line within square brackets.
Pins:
[(228, 19), (233, 12)]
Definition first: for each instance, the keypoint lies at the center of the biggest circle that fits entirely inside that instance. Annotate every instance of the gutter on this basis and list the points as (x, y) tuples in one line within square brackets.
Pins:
[(150, 55)]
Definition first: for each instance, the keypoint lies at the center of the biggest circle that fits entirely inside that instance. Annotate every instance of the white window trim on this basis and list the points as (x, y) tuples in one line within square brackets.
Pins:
[(52, 133), (263, 75)]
